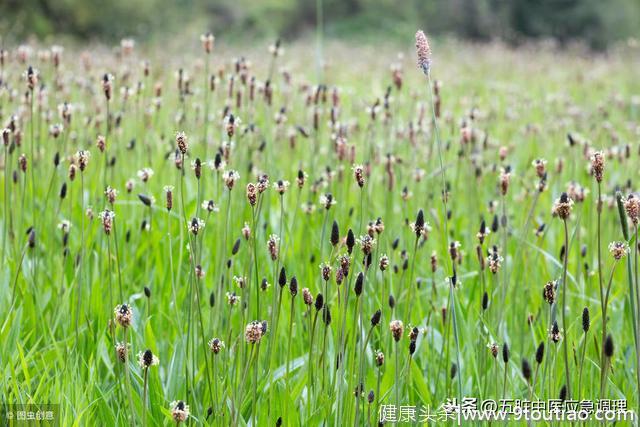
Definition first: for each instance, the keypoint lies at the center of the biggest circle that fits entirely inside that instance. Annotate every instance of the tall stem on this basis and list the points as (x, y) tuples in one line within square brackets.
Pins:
[(144, 397), (564, 308)]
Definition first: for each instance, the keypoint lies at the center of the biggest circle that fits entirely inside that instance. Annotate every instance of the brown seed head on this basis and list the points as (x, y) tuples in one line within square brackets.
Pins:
[(549, 292), (597, 165), (124, 315), (397, 329), (253, 332), (423, 50)]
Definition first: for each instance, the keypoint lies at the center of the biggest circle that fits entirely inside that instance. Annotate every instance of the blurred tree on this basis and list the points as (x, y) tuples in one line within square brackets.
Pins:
[(593, 21)]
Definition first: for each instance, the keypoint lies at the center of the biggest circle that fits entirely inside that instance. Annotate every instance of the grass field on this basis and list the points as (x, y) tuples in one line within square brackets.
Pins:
[(214, 238)]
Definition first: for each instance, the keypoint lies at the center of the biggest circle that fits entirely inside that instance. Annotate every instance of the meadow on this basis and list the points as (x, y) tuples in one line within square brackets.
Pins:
[(257, 236)]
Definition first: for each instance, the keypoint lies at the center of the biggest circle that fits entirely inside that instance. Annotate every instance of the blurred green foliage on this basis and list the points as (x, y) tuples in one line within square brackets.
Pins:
[(595, 22)]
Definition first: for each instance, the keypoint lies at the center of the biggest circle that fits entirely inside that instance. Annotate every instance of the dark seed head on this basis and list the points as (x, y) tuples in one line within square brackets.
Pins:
[(147, 358), (586, 322), (293, 286), (282, 278), (32, 238), (564, 198), (494, 224), (326, 315), (454, 370), (375, 319), (144, 199), (371, 397), (212, 299), (526, 369), (413, 335), (412, 347), (485, 301), (358, 285), (392, 301), (236, 247), (335, 233), (540, 353), (63, 190), (608, 346), (319, 302), (147, 292), (419, 225), (563, 393), (351, 241), (505, 353)]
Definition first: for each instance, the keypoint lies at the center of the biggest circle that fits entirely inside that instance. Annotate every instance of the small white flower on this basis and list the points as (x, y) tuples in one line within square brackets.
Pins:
[(210, 206), (195, 225), (179, 411), (64, 225), (327, 200), (144, 174)]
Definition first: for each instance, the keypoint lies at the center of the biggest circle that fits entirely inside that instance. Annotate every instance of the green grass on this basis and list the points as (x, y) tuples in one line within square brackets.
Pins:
[(56, 342)]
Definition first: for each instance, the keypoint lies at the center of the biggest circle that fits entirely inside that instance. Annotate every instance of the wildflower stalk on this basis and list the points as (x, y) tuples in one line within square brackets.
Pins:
[(128, 375), (310, 362), (215, 384), (411, 284), (254, 401), (634, 294), (5, 230), (505, 269), (504, 382), (352, 356), (190, 293), (605, 304), (599, 230), (82, 260), (107, 129), (444, 350), (223, 252), (204, 349), (173, 280), (455, 333), (378, 389), (445, 197), (584, 350), (255, 261), (397, 375), (115, 240), (144, 396), (548, 344), (564, 307), (33, 159), (342, 349), (275, 280), (109, 274)]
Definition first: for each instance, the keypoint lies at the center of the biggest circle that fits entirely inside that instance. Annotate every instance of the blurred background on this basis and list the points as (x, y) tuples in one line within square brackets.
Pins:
[(595, 23)]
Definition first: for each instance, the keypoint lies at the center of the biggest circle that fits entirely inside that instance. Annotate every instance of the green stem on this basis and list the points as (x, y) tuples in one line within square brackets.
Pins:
[(564, 309)]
